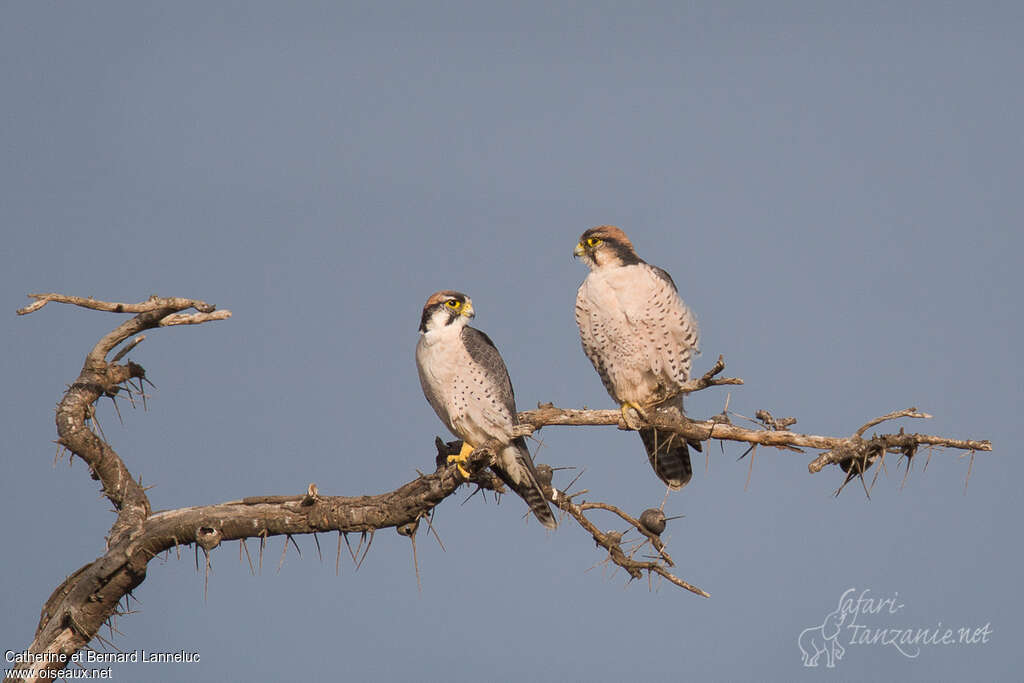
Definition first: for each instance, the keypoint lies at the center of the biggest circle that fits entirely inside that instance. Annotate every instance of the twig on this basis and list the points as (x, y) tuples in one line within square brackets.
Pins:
[(610, 541)]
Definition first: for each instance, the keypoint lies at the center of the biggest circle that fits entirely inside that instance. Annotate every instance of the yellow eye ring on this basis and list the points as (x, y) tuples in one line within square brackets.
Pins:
[(593, 241), (453, 303)]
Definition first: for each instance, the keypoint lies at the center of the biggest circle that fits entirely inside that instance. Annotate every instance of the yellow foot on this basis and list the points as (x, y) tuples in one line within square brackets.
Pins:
[(627, 416), (461, 458)]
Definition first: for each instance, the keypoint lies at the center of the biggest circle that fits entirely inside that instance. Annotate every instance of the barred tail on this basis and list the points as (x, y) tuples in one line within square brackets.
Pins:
[(669, 456), (516, 469)]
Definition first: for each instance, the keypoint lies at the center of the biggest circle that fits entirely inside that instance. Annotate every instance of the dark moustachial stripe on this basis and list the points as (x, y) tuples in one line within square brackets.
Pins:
[(625, 255), (424, 318), (623, 252)]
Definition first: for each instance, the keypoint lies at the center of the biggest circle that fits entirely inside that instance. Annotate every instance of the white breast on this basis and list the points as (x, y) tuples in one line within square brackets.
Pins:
[(636, 330), (453, 384)]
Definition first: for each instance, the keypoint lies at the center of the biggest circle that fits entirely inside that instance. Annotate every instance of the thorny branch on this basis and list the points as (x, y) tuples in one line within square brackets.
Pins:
[(844, 451), (91, 596)]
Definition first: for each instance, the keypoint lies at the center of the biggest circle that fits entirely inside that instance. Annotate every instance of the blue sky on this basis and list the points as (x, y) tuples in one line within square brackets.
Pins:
[(835, 190)]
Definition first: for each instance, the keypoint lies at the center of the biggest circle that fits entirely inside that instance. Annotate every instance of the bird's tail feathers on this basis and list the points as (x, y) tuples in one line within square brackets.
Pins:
[(526, 485), (669, 456)]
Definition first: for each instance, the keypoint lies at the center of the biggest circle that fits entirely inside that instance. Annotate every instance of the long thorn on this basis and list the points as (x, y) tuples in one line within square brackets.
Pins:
[(245, 545), (750, 470), (367, 551), (416, 564)]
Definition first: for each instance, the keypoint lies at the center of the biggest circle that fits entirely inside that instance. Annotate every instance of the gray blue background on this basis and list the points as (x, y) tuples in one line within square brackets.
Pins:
[(836, 189)]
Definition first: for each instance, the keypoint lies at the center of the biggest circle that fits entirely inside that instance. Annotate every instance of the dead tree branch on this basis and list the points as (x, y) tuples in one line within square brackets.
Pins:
[(74, 613), (843, 451), (612, 542), (78, 607)]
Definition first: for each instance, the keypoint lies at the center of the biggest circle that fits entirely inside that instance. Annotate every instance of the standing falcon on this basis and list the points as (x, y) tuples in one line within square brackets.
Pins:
[(465, 380), (640, 336)]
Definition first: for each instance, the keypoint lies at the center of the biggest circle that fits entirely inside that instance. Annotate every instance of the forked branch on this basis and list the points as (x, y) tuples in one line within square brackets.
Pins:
[(73, 614)]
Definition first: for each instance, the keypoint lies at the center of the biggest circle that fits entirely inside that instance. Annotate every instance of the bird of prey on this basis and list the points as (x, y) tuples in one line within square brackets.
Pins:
[(640, 336), (466, 382)]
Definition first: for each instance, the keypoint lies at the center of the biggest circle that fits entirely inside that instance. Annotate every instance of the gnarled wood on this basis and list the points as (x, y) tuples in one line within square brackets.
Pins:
[(73, 614)]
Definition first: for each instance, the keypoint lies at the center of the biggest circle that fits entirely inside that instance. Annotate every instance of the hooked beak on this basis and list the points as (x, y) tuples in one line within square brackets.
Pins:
[(579, 250), (467, 309)]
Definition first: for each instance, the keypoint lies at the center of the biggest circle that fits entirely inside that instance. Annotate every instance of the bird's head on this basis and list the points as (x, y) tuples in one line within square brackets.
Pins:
[(444, 308), (605, 245)]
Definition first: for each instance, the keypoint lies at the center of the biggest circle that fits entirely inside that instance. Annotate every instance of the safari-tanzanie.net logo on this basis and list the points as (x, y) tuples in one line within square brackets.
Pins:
[(863, 620)]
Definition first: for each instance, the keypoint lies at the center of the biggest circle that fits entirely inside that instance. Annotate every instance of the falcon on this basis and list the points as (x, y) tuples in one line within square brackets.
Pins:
[(466, 382), (641, 337)]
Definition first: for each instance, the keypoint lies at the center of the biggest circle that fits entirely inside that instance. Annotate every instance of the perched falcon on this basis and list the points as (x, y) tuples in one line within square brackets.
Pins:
[(640, 336), (465, 380)]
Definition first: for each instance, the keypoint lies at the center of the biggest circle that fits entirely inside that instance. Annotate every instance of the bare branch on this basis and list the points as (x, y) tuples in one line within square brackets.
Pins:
[(611, 541), (91, 596), (126, 349), (547, 415), (153, 303), (909, 412), (193, 318), (708, 379), (153, 312)]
